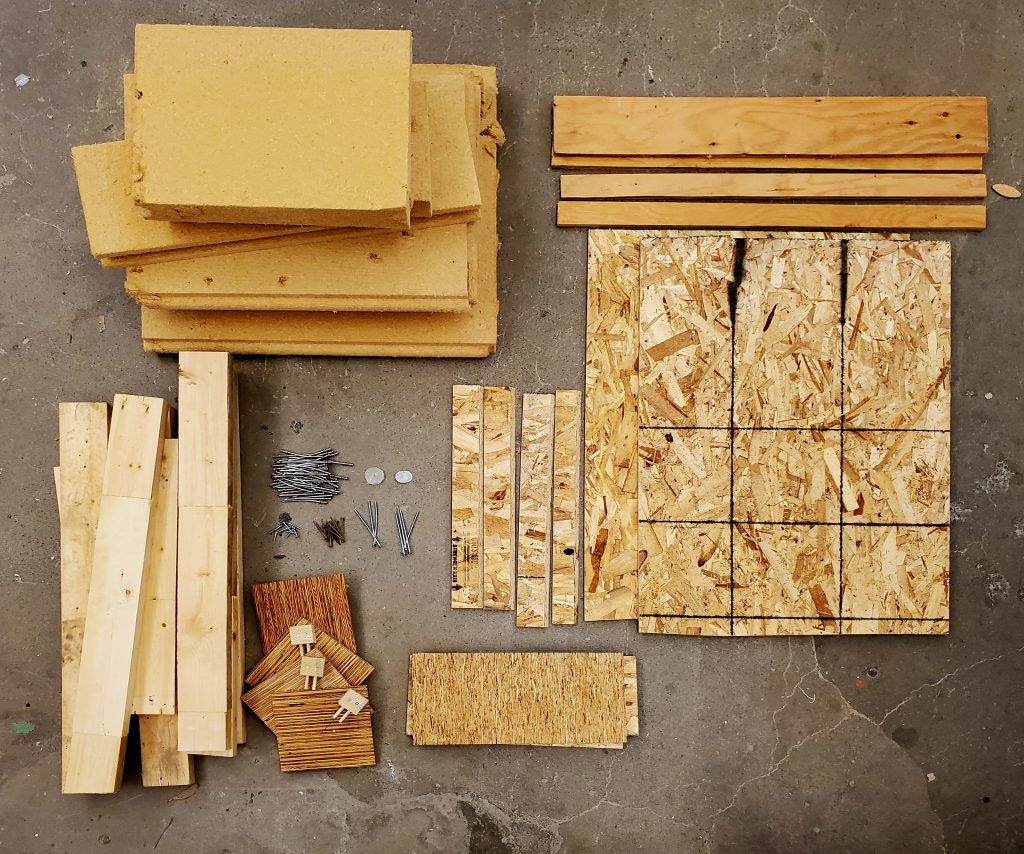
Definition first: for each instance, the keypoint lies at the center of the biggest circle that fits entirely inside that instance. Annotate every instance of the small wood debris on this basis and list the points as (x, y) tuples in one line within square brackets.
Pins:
[(1007, 191)]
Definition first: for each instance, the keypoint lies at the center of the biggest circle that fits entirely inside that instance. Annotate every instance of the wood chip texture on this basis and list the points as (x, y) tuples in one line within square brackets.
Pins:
[(354, 669)]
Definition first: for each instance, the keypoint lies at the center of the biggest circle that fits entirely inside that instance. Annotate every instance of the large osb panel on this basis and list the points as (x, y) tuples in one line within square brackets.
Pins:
[(684, 475), (684, 570)]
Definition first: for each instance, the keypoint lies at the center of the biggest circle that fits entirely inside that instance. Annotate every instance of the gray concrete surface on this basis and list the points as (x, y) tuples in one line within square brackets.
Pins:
[(842, 745)]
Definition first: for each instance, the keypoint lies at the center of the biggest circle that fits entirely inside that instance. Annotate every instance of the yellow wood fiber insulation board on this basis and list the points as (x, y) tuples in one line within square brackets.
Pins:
[(83, 454), (686, 331), (899, 163), (788, 335), (566, 698), (114, 610), (533, 553), (565, 507), (309, 737), (684, 475), (770, 126), (471, 334), (467, 496), (230, 119), (261, 698), (499, 486), (162, 763), (897, 335), (421, 270), (420, 153), (354, 669)]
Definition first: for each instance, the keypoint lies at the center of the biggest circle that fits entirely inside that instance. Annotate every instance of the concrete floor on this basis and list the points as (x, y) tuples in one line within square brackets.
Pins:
[(853, 744)]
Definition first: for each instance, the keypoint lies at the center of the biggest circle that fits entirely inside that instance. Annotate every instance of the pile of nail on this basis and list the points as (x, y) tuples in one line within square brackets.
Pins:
[(372, 521), (306, 477), (405, 530), (285, 527), (332, 530)]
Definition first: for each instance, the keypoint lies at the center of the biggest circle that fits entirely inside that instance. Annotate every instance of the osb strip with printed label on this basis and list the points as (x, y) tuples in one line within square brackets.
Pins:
[(565, 507)]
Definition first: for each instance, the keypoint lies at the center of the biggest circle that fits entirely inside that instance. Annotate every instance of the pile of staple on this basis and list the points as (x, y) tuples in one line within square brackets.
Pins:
[(300, 191), (310, 687)]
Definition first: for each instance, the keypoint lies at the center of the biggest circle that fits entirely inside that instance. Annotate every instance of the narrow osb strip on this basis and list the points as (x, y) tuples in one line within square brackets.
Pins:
[(467, 498), (310, 737), (897, 335), (759, 626), (499, 497), (787, 359), (261, 698), (684, 475), (565, 507), (684, 569), (895, 627), (610, 496), (696, 626), (533, 555), (685, 331)]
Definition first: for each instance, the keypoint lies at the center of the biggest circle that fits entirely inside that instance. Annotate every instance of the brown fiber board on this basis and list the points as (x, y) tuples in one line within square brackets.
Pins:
[(897, 335), (924, 163), (320, 599), (467, 496), (261, 698), (777, 215), (422, 270), (499, 490), (770, 126), (353, 668), (611, 426), (517, 698), (310, 738), (684, 475), (565, 507), (470, 334), (230, 119), (533, 554), (768, 185)]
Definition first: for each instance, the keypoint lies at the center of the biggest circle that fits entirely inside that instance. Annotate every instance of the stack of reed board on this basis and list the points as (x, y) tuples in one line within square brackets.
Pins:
[(833, 163), (304, 718), (497, 565), (300, 191), (151, 579)]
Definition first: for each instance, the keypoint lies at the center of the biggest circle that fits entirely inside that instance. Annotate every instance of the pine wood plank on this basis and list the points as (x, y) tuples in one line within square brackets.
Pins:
[(467, 496), (114, 610), (499, 541), (533, 554), (565, 507), (611, 426), (770, 126), (899, 163), (770, 185), (310, 738), (319, 599), (924, 217), (162, 763), (204, 429), (83, 452), (288, 346)]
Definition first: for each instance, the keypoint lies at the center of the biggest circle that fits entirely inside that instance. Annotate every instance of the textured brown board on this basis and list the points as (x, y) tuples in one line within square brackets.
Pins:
[(685, 570), (770, 126), (903, 163), (565, 507), (517, 698), (499, 541), (788, 335), (684, 475), (261, 698), (685, 331), (310, 738), (897, 335), (320, 599), (533, 554), (285, 654), (611, 426), (467, 496)]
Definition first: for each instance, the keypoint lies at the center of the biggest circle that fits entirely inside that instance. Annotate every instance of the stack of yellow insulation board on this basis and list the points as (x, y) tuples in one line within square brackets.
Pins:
[(149, 535), (356, 217)]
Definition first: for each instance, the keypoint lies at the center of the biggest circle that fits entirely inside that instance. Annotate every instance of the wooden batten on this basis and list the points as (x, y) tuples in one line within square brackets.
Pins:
[(499, 541), (318, 599), (162, 763), (533, 554), (565, 507), (467, 496)]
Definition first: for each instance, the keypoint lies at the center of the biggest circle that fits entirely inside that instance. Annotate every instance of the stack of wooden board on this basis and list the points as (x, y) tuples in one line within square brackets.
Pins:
[(557, 699), (767, 433), (356, 218), (305, 716), (485, 546), (798, 162)]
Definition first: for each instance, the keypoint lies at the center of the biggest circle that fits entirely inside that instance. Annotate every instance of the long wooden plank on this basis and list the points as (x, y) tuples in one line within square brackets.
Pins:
[(499, 541), (900, 163), (611, 427), (770, 185), (467, 496), (767, 215), (533, 553), (771, 126), (565, 507), (319, 599), (309, 737), (162, 763), (83, 454), (238, 570), (114, 611)]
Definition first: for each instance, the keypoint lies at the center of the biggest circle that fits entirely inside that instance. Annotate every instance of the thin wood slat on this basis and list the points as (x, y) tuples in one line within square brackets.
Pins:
[(533, 554), (499, 484), (319, 599), (162, 763), (83, 453), (770, 126), (787, 215), (309, 737), (565, 507), (354, 669), (899, 163), (467, 496)]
